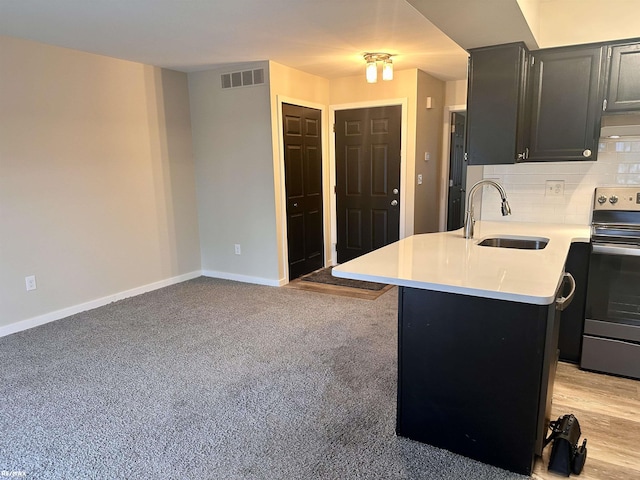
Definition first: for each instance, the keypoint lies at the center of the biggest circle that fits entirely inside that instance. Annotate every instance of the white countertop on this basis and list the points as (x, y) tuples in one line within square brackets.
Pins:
[(448, 262)]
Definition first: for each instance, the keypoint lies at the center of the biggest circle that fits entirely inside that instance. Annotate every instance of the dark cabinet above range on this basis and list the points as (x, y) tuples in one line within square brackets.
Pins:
[(566, 103), (623, 94), (546, 105)]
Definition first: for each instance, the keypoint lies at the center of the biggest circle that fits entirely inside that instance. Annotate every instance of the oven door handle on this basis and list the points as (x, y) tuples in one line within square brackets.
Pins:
[(616, 250), (564, 302)]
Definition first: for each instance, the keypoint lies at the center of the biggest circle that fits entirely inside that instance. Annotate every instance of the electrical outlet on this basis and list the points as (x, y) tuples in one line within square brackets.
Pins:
[(30, 282), (238, 250), (554, 188)]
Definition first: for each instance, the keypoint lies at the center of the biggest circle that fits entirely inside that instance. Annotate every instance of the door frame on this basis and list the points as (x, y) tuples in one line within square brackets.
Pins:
[(402, 102), (446, 152), (281, 187)]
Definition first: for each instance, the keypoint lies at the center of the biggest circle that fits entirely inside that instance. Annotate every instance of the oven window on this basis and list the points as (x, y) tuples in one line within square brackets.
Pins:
[(613, 293)]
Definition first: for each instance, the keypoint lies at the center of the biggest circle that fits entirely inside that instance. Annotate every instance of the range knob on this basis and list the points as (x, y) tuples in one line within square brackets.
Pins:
[(602, 199), (613, 199)]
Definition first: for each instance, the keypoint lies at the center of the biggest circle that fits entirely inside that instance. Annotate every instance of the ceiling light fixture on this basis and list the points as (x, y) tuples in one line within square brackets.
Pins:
[(372, 68)]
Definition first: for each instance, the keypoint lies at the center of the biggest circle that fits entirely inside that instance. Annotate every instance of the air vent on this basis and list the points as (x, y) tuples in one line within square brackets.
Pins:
[(246, 78)]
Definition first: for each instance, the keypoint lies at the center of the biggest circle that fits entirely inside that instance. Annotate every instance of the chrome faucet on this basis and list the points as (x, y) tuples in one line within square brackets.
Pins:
[(469, 221)]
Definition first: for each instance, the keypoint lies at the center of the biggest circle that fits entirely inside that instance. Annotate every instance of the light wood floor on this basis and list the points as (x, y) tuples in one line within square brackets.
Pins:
[(608, 409)]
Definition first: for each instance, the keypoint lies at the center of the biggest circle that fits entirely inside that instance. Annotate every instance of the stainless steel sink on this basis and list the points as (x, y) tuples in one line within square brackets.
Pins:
[(524, 243)]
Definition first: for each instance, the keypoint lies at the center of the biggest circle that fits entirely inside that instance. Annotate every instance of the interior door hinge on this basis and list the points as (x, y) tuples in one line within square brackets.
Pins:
[(604, 105), (334, 128), (335, 189), (466, 157), (533, 60)]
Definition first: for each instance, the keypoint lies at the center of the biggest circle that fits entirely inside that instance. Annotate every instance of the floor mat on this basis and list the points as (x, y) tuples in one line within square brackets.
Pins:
[(322, 281), (324, 276)]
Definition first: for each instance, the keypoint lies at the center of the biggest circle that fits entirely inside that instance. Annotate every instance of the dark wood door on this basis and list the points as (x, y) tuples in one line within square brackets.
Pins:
[(624, 78), (367, 179), (496, 104), (303, 178), (457, 173), (566, 103)]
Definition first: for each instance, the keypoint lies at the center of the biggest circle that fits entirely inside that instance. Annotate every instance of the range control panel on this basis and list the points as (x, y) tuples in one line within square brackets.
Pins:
[(617, 198)]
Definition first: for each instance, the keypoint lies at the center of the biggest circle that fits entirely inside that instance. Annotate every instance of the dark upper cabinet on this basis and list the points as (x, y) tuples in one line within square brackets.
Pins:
[(624, 78), (567, 92), (496, 99)]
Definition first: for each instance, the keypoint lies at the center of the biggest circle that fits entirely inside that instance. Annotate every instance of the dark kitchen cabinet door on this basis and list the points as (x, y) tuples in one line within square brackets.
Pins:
[(572, 322), (624, 78), (474, 375), (566, 103), (496, 101)]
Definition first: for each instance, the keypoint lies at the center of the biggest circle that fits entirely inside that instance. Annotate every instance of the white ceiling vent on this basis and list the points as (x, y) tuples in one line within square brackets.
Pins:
[(243, 79)]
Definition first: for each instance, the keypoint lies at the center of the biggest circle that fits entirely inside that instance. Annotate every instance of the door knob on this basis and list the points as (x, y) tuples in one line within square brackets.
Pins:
[(394, 203), (395, 191)]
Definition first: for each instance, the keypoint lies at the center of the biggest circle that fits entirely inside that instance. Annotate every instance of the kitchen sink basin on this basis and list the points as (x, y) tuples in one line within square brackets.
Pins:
[(523, 243)]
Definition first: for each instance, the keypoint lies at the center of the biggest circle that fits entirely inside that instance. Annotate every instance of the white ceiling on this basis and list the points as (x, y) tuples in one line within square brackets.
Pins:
[(321, 37)]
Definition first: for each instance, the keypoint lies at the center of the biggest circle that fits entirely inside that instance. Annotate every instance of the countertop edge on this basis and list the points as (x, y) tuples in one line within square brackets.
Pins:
[(473, 292), (545, 297)]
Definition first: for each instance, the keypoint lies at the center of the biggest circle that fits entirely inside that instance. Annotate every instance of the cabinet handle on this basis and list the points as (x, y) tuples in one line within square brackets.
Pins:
[(563, 302), (586, 153)]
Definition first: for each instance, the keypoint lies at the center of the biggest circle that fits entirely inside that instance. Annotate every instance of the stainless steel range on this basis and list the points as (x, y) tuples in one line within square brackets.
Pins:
[(611, 340)]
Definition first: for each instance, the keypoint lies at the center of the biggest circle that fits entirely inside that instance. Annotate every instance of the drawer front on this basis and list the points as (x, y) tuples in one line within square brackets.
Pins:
[(611, 356)]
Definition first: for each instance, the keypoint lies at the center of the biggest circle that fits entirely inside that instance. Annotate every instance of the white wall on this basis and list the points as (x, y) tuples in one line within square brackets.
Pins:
[(571, 22), (97, 194), (429, 140), (531, 12), (234, 177), (618, 164)]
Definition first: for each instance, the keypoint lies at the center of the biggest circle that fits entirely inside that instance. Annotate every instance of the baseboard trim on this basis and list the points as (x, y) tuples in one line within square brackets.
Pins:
[(99, 302), (243, 278)]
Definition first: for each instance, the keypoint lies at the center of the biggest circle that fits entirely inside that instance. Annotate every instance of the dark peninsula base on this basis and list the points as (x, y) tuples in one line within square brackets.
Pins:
[(475, 375)]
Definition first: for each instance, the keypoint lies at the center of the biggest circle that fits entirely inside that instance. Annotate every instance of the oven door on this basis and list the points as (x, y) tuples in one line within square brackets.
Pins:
[(611, 341)]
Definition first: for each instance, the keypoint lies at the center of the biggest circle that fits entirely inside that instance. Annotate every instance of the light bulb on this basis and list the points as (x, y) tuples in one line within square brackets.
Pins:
[(372, 72), (387, 70)]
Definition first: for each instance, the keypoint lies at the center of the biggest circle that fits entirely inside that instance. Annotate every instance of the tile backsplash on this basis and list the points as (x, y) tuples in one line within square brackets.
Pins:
[(618, 164)]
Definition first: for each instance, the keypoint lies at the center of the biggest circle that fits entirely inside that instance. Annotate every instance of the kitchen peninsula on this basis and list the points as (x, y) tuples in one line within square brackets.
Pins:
[(477, 336)]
